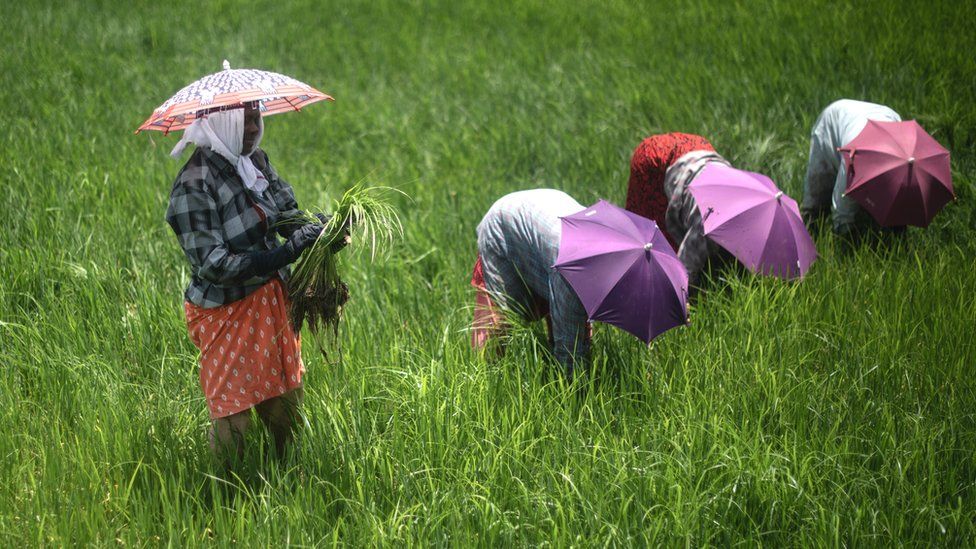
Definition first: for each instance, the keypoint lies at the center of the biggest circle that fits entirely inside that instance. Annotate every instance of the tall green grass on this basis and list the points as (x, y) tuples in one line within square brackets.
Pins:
[(836, 411)]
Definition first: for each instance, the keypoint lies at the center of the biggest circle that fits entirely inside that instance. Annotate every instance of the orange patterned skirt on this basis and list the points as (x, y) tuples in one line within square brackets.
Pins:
[(249, 352)]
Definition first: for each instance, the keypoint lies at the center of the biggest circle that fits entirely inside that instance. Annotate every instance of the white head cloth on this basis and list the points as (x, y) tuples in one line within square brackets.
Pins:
[(223, 133)]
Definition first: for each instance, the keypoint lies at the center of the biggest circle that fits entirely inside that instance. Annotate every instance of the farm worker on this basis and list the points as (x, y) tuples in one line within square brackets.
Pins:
[(227, 208), (518, 242), (826, 178), (683, 219), (650, 161)]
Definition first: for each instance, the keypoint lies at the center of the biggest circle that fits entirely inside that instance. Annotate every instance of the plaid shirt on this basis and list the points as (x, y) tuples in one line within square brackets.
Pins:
[(217, 220), (684, 220)]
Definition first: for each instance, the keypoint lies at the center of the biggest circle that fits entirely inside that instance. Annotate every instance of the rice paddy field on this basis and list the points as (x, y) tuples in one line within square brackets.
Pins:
[(838, 411)]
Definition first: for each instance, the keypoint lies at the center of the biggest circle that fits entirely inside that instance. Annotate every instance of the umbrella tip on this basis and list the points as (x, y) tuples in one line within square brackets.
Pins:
[(778, 195), (911, 160), (648, 246), (226, 65)]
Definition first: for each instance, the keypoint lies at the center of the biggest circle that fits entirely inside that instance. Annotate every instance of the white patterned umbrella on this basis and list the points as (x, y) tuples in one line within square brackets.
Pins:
[(276, 92)]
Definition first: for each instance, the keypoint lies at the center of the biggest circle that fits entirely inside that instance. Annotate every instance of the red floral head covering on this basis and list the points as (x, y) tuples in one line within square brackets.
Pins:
[(651, 160)]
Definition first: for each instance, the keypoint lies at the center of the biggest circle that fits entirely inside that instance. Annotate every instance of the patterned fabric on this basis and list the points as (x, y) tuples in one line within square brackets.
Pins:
[(217, 220), (223, 133), (651, 159), (683, 218), (277, 93), (248, 350), (487, 316), (518, 242), (826, 179)]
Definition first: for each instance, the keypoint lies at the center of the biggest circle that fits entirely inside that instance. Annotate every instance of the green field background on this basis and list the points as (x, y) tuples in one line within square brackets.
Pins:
[(835, 411)]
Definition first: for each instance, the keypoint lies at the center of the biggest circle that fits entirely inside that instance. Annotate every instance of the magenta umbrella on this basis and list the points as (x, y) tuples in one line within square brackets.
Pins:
[(623, 270), (745, 213), (898, 173)]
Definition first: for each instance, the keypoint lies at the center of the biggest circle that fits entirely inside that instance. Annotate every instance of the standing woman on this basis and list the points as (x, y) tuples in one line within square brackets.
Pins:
[(650, 162), (227, 207)]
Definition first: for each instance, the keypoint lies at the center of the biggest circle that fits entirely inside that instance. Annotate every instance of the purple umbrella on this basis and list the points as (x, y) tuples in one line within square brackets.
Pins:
[(898, 173), (746, 214), (623, 270)]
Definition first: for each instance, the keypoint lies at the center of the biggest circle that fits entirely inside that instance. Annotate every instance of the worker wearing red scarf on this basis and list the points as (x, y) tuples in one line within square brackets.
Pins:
[(651, 160)]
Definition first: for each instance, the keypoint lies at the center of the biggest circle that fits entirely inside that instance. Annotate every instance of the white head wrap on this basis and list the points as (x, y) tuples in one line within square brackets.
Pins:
[(223, 133)]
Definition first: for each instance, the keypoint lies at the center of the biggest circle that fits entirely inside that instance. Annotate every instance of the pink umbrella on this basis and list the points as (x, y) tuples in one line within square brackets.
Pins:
[(898, 173), (745, 213), (277, 93), (623, 270)]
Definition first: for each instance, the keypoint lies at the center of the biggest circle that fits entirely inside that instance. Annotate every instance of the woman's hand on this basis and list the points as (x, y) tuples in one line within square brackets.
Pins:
[(341, 242), (265, 262), (302, 239)]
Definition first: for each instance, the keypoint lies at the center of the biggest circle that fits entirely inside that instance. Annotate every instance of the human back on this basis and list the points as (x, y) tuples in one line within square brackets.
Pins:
[(528, 221), (844, 119), (518, 243)]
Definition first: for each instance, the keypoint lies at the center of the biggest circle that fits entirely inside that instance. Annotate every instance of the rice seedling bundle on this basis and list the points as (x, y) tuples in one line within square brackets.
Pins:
[(363, 214)]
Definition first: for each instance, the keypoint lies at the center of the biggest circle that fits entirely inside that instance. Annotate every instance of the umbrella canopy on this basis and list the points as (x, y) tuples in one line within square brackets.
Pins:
[(277, 93), (745, 213), (623, 270), (898, 173)]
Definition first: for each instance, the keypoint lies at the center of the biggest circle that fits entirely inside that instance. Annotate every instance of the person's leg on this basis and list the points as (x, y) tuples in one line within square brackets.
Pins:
[(848, 217), (504, 291), (227, 436), (280, 414), (488, 321), (818, 184), (822, 166)]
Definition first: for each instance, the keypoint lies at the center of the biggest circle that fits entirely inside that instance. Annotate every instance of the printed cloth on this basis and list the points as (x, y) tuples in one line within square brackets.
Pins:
[(217, 220), (684, 220), (518, 242), (650, 162), (826, 179), (487, 317), (248, 350)]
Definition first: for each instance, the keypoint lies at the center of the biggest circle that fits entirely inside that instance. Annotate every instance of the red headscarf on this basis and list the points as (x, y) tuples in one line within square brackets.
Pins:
[(652, 158)]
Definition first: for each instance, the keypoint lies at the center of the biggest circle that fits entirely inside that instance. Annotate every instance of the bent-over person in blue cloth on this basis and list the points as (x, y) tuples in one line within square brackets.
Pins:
[(826, 179), (518, 242)]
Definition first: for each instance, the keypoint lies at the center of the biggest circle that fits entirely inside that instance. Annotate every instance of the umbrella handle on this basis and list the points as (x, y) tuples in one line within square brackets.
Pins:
[(707, 213)]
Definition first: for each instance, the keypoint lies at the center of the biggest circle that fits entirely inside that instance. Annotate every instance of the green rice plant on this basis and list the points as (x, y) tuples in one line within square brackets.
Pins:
[(837, 411), (316, 288)]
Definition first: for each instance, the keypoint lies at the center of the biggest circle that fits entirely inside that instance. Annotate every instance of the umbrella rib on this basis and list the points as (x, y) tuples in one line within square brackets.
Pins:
[(790, 242), (619, 280), (885, 153), (671, 296), (919, 168), (922, 196), (800, 233), (603, 226), (736, 216), (890, 135), (934, 154), (766, 196), (875, 176)]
